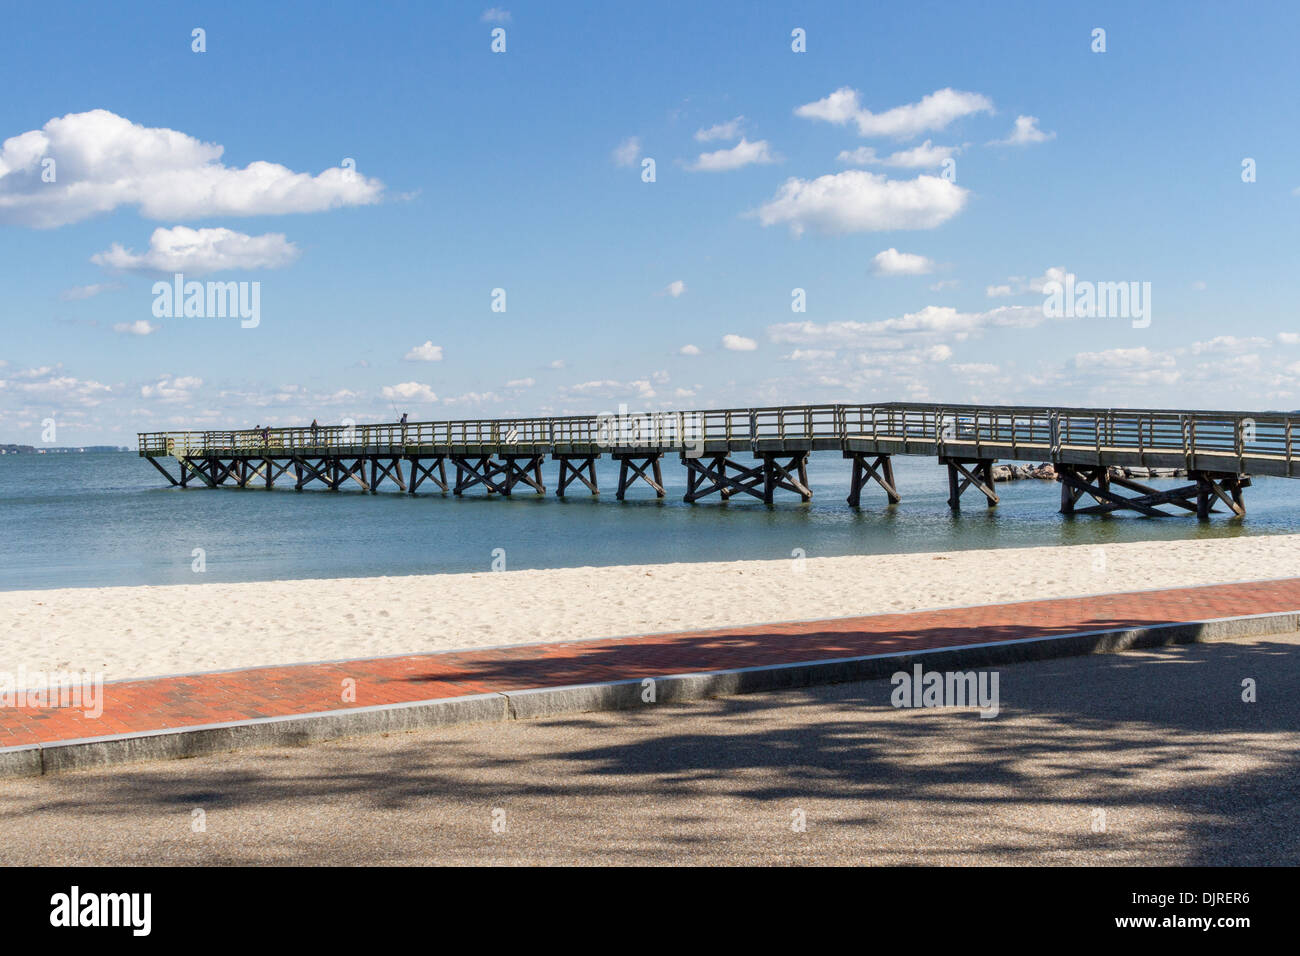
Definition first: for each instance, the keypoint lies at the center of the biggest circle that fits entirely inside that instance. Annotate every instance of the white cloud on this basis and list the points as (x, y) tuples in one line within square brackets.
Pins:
[(862, 156), (200, 251), (743, 153), (46, 386), (944, 319), (473, 398), (891, 262), (924, 156), (1055, 274), (1019, 285), (1288, 338), (689, 350), (172, 389), (558, 363), (1141, 357), (1198, 286), (675, 288), (627, 152), (521, 383), (724, 131), (1025, 132), (608, 388), (933, 112), (138, 327), (974, 369), (858, 201), (40, 372), (920, 355), (409, 391), (428, 352), (945, 284), (105, 161), (79, 292), (1228, 343), (811, 355), (495, 15), (738, 343), (931, 320), (1133, 367)]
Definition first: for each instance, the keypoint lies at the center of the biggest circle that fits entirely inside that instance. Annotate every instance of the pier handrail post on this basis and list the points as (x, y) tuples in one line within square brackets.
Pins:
[(1288, 447), (1239, 443), (1182, 434)]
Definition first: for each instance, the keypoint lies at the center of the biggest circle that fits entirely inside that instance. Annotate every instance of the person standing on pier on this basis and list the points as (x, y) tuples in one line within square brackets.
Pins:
[(314, 428), (403, 423)]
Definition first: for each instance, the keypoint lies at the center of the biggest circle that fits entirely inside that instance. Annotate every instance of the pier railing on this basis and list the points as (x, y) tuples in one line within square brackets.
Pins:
[(1238, 439)]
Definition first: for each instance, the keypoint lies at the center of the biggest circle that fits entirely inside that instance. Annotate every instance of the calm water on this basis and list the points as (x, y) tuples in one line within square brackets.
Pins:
[(109, 519)]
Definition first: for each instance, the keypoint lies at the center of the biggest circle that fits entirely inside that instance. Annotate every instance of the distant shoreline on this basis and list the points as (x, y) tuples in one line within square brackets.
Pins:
[(62, 450)]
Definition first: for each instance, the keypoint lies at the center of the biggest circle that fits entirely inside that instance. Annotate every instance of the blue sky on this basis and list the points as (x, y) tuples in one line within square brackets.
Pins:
[(522, 171)]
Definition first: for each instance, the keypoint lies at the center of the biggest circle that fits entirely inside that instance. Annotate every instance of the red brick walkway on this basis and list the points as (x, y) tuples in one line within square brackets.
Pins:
[(170, 702)]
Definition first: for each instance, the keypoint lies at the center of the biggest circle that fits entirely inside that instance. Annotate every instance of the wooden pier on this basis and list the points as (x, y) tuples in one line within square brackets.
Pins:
[(760, 452)]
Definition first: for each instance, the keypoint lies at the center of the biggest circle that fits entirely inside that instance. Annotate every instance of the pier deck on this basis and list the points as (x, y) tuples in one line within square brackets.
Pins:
[(761, 451)]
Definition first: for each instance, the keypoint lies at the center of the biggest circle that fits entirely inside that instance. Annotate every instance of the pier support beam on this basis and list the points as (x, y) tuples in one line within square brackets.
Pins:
[(787, 471), (166, 474), (219, 472), (273, 472), (379, 471), (482, 470), (356, 471), (576, 467), (1217, 486), (306, 472), (868, 468), (965, 472), (718, 473), (1098, 482), (422, 473), (634, 466), (216, 472), (528, 473), (330, 472)]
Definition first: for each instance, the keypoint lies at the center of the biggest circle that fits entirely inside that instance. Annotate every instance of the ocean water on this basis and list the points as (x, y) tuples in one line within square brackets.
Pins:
[(85, 520)]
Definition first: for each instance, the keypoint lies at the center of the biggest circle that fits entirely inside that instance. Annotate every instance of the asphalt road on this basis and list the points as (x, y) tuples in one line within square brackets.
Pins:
[(1160, 741)]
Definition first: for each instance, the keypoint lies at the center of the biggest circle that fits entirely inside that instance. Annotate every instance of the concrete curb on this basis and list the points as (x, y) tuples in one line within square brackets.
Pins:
[(303, 729)]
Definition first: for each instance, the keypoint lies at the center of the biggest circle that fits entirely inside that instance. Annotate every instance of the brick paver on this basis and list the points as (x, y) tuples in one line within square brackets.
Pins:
[(138, 706)]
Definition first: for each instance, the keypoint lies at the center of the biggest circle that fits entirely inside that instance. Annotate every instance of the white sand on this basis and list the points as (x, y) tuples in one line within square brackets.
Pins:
[(142, 631)]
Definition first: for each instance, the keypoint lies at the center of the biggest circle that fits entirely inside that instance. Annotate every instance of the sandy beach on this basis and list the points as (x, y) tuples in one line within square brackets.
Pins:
[(147, 631)]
